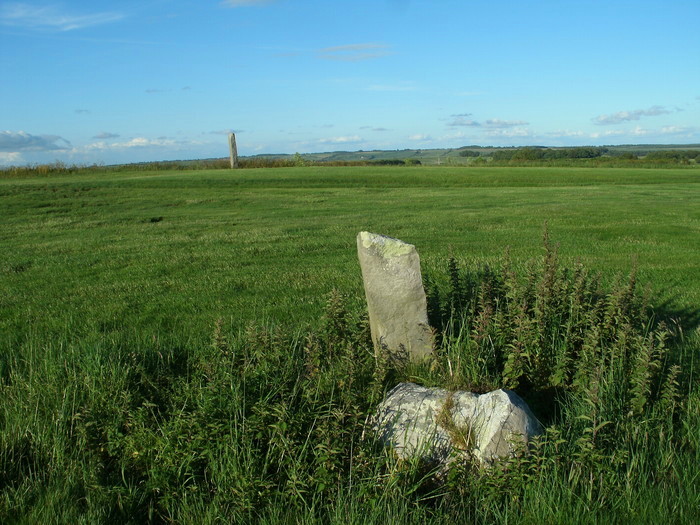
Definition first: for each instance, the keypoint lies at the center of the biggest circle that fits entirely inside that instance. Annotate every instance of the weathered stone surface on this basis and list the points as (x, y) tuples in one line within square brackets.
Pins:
[(233, 150), (396, 300), (433, 424)]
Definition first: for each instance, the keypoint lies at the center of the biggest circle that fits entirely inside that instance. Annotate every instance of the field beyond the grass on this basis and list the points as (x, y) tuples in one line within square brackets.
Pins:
[(174, 251), (115, 287)]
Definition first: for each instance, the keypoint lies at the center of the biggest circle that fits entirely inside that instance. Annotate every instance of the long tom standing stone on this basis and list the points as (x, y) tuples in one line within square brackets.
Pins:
[(396, 302), (232, 149)]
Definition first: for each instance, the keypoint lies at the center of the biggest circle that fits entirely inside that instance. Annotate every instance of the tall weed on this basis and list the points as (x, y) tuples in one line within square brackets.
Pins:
[(266, 425)]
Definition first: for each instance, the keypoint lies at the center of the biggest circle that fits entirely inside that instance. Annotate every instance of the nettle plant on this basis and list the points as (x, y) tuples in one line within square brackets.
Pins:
[(552, 332)]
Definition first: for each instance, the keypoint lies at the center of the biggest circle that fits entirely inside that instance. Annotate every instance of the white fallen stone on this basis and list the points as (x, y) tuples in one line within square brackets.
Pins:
[(434, 425), (396, 301)]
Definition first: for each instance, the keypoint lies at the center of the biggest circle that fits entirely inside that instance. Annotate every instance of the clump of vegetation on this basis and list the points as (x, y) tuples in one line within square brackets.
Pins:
[(469, 153), (270, 425), (555, 333)]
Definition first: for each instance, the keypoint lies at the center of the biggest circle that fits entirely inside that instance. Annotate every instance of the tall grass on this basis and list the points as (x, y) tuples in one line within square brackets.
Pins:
[(264, 424), (172, 350)]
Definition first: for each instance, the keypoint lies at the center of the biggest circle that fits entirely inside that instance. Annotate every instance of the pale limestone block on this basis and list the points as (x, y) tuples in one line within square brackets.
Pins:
[(439, 427), (396, 299)]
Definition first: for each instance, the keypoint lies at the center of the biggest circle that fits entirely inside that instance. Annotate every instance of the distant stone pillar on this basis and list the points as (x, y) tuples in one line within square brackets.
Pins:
[(232, 149), (398, 313)]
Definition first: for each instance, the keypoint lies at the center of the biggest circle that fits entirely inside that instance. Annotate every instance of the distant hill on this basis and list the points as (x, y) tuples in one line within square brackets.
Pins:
[(462, 155)]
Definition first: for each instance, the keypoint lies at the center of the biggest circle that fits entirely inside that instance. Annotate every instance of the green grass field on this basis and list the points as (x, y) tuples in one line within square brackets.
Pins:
[(112, 284), (269, 244)]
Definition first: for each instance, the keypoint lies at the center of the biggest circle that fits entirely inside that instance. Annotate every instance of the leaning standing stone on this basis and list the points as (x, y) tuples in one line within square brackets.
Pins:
[(396, 302)]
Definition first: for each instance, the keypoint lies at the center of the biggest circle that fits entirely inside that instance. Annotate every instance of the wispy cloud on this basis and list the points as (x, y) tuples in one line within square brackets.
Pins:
[(503, 124), (83, 111), (490, 124), (566, 133), (639, 131), (420, 137), (510, 132), (636, 132), (464, 121), (15, 142), (48, 17), (10, 157), (354, 52), (137, 142), (678, 130), (374, 129), (244, 3), (628, 116), (341, 140), (106, 135)]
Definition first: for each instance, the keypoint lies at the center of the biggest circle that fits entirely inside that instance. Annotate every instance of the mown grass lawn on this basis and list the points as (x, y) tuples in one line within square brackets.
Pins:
[(118, 408)]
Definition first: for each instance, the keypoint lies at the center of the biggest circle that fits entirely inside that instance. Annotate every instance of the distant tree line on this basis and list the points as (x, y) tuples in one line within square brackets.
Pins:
[(534, 153), (674, 155), (527, 156)]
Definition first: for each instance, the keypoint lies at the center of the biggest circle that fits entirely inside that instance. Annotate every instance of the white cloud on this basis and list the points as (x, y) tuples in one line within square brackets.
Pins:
[(341, 140), (354, 52), (511, 132), (640, 131), (677, 130), (503, 124), (51, 17), (420, 137), (10, 157), (13, 142), (628, 116), (561, 133), (137, 142), (612, 133)]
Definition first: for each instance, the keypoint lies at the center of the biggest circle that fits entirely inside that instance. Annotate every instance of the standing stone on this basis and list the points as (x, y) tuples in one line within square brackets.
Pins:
[(396, 302), (232, 149), (437, 426)]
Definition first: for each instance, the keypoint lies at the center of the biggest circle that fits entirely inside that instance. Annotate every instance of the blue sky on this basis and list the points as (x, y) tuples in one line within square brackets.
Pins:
[(139, 80)]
